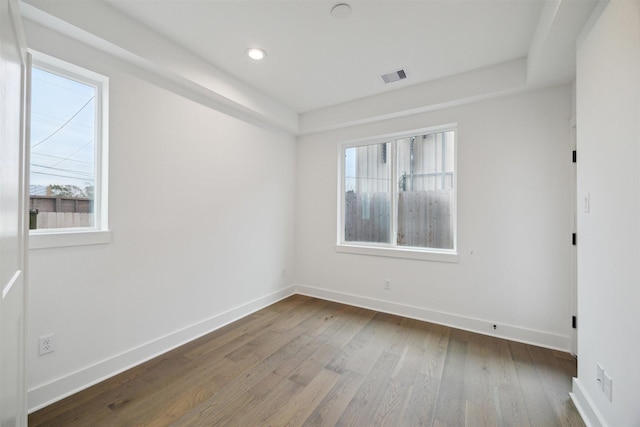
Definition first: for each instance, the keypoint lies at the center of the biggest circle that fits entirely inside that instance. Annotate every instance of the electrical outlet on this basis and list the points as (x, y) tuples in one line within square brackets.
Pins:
[(387, 285), (47, 343), (600, 376), (608, 385)]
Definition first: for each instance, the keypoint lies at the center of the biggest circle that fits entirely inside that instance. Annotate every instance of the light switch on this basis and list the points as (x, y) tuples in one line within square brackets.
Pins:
[(608, 387), (600, 376)]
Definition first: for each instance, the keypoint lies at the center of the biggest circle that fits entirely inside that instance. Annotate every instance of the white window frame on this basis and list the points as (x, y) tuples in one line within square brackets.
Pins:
[(99, 233), (392, 249)]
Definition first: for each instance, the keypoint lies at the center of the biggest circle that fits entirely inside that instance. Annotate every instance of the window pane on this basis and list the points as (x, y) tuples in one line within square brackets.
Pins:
[(63, 151), (426, 191), (367, 193)]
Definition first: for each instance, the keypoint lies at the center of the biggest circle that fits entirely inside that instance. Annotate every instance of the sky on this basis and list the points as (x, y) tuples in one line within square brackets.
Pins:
[(62, 131), (350, 169)]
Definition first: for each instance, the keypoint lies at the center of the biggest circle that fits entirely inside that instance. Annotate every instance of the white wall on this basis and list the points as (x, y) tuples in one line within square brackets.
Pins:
[(608, 130), (157, 285), (514, 223), (201, 209)]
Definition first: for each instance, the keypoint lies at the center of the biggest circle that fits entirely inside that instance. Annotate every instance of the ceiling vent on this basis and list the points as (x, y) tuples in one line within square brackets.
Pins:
[(394, 77)]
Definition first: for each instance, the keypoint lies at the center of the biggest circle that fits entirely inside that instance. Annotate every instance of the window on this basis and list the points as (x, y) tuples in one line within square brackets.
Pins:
[(68, 148), (399, 193)]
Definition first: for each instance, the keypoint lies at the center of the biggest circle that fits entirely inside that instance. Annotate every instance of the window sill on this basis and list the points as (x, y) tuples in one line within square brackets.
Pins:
[(65, 238), (423, 255)]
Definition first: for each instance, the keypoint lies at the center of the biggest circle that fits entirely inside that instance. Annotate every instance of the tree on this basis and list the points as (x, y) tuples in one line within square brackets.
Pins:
[(71, 191)]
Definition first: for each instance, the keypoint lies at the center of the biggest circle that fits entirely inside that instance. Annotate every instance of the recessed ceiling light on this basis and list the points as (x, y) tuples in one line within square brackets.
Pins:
[(256, 54), (341, 10)]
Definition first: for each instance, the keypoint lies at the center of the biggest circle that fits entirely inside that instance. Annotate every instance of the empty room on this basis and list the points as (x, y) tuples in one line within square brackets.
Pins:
[(247, 213)]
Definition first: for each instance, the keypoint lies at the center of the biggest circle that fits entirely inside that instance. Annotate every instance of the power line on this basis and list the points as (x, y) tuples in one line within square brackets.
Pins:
[(71, 155), (41, 121), (63, 176), (64, 124), (57, 80), (64, 170), (60, 157)]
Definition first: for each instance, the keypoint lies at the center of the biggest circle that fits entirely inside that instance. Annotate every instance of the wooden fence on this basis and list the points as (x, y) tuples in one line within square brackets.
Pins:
[(61, 211), (60, 204), (367, 217), (64, 219), (424, 218)]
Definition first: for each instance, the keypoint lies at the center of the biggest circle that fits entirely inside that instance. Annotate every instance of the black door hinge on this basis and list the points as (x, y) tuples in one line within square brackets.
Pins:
[(574, 238), (574, 322), (574, 156)]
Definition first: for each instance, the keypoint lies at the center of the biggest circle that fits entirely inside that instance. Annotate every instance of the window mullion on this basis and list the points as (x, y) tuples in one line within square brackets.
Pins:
[(394, 194), (342, 194)]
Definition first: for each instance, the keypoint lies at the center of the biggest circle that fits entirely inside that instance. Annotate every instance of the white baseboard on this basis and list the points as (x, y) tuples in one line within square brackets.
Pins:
[(485, 327), (45, 394), (585, 406)]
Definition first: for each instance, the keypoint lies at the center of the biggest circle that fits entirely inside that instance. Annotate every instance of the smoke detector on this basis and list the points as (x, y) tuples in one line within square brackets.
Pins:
[(341, 11)]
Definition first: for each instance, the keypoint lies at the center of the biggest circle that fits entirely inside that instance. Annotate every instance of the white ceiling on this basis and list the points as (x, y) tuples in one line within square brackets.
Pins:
[(315, 60), (453, 51)]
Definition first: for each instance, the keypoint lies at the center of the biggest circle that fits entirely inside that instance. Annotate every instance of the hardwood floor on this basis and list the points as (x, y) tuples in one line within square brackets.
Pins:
[(309, 362)]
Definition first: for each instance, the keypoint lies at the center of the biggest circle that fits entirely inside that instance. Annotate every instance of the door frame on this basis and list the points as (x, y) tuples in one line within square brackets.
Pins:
[(573, 272), (13, 302)]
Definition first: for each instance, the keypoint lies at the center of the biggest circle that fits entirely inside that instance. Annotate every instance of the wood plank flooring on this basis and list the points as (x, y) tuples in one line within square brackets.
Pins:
[(309, 362)]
